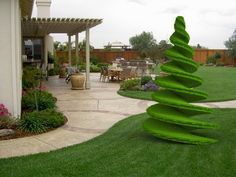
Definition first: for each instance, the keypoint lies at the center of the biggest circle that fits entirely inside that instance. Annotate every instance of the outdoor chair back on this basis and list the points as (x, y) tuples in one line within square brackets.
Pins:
[(105, 74)]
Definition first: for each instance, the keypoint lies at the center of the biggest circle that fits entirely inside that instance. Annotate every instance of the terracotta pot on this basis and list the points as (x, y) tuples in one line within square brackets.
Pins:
[(77, 81)]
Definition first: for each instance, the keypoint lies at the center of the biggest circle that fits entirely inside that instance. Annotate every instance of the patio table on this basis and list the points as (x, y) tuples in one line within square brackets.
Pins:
[(115, 72)]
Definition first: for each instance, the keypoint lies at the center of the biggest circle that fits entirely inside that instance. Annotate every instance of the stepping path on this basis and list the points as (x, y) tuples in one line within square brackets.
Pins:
[(90, 113)]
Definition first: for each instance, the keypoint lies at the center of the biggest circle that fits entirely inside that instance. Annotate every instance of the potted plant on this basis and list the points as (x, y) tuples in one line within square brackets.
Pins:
[(77, 78), (77, 81)]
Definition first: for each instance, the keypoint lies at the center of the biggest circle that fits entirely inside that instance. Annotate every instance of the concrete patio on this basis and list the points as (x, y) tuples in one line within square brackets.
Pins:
[(90, 113)]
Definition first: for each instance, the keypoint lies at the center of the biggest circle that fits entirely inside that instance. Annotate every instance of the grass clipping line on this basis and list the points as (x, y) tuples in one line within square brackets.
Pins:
[(170, 118)]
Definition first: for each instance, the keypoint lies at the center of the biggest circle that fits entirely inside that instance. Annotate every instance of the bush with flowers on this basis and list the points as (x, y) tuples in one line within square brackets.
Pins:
[(150, 86), (3, 110), (6, 121)]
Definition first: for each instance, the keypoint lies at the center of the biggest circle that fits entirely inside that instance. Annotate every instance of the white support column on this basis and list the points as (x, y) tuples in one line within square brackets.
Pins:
[(87, 60), (77, 49), (45, 52), (10, 56), (69, 49)]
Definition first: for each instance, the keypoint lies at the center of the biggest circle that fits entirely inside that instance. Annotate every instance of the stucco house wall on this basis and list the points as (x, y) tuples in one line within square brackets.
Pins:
[(10, 56)]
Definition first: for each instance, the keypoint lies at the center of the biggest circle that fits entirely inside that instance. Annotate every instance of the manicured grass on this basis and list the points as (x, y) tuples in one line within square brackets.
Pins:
[(126, 150), (143, 95), (219, 83)]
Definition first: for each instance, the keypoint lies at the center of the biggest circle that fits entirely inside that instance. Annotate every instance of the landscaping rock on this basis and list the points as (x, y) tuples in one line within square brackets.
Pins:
[(6, 132)]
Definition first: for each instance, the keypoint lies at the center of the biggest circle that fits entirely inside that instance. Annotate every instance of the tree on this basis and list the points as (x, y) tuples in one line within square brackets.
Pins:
[(56, 45), (170, 117), (231, 45), (198, 46), (156, 52), (82, 45), (143, 42), (60, 46)]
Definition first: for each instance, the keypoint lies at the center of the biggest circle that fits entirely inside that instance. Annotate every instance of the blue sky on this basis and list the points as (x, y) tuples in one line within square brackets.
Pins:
[(209, 22)]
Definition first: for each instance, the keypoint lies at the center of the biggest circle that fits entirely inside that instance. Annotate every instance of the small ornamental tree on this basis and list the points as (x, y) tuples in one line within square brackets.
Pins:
[(231, 45), (170, 118)]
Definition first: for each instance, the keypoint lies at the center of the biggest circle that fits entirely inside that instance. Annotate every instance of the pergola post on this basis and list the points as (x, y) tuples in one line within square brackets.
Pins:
[(45, 53), (87, 59), (77, 49), (69, 49)]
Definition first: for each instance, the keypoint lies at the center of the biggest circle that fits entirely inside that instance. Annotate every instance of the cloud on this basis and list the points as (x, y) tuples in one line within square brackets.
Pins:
[(221, 11), (174, 10), (139, 2)]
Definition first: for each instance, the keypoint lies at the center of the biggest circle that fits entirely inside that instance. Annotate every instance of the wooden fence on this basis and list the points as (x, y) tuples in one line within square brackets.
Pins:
[(101, 55), (200, 55)]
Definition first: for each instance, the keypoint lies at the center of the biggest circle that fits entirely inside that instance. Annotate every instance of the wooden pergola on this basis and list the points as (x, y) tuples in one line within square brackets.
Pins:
[(40, 27)]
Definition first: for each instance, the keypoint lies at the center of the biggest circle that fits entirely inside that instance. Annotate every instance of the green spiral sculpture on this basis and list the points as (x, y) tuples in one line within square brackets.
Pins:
[(170, 118)]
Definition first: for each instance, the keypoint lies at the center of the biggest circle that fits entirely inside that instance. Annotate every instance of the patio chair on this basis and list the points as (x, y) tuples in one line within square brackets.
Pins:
[(70, 71), (102, 73), (106, 74)]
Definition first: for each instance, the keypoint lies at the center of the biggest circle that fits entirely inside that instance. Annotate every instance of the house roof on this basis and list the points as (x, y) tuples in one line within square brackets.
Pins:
[(43, 26), (26, 7)]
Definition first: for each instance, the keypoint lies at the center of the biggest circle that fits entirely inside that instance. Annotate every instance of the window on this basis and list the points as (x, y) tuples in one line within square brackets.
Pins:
[(33, 49)]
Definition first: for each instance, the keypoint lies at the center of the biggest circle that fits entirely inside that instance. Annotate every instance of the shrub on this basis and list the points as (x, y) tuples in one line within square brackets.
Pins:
[(52, 72), (7, 122), (145, 79), (103, 64), (31, 123), (133, 84), (30, 78), (51, 58), (94, 68), (150, 86), (41, 121), (213, 59), (94, 60), (82, 67), (61, 60), (45, 100)]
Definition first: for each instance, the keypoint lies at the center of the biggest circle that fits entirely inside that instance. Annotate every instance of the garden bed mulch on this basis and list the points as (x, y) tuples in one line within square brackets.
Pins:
[(20, 134)]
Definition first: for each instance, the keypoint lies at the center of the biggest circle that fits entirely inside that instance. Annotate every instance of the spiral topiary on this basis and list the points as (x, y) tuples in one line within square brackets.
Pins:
[(169, 119)]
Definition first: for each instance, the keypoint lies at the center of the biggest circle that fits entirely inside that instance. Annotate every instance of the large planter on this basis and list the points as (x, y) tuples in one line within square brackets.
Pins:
[(77, 81)]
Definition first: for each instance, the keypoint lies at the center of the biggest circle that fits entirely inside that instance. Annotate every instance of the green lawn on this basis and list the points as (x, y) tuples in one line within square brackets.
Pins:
[(127, 151), (219, 83)]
